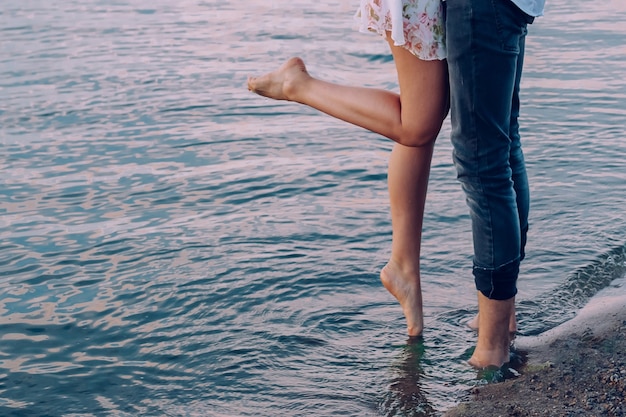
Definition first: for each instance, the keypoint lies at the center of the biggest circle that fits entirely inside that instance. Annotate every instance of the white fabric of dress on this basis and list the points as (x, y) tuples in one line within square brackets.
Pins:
[(417, 25)]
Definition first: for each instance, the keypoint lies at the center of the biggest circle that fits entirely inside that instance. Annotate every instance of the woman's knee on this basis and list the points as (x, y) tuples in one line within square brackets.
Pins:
[(419, 136)]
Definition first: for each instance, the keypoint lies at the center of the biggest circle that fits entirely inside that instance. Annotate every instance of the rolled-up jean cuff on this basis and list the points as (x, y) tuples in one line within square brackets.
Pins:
[(497, 284)]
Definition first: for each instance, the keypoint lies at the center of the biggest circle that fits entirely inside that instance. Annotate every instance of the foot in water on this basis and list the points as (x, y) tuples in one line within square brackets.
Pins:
[(282, 84), (510, 370), (494, 340), (405, 286)]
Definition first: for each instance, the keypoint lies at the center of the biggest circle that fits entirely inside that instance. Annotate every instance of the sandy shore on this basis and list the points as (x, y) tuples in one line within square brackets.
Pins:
[(576, 369)]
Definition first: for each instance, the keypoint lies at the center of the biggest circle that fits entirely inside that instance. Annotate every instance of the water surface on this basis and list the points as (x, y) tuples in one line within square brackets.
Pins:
[(174, 245)]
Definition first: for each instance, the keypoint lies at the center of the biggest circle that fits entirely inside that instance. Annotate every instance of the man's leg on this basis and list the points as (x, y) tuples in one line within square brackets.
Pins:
[(516, 159), (483, 55)]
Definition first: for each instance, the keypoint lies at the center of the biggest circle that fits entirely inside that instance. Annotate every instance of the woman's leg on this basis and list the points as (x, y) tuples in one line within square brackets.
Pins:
[(409, 170), (412, 118)]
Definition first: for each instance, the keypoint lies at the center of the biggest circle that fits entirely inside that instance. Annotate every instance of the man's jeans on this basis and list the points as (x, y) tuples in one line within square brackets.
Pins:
[(485, 40)]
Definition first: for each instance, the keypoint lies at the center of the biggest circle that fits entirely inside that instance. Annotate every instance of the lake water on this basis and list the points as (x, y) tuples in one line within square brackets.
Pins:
[(173, 245)]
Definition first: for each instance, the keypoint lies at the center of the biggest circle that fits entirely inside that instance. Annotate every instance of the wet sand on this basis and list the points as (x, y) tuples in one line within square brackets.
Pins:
[(576, 369)]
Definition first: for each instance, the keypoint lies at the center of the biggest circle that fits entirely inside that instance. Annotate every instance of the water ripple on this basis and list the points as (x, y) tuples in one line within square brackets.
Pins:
[(174, 245)]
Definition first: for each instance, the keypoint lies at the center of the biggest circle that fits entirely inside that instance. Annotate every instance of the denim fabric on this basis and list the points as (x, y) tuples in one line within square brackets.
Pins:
[(485, 41)]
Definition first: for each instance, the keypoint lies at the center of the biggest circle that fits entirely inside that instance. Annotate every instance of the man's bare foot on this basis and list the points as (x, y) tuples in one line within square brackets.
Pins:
[(473, 323), (282, 84), (492, 348), (407, 290)]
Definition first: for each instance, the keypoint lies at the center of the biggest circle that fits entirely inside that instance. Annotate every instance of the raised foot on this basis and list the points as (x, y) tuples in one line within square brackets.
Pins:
[(406, 288), (282, 84)]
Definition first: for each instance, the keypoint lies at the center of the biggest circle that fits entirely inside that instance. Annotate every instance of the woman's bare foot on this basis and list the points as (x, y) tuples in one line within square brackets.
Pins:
[(282, 84), (407, 290), (493, 346)]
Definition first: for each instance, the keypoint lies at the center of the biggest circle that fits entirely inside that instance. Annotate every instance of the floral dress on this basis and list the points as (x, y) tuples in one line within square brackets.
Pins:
[(417, 25)]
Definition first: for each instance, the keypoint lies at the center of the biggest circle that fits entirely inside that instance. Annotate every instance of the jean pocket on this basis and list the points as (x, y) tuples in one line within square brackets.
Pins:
[(511, 24)]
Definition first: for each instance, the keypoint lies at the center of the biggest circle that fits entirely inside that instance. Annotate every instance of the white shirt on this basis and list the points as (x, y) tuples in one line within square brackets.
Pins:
[(531, 7)]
